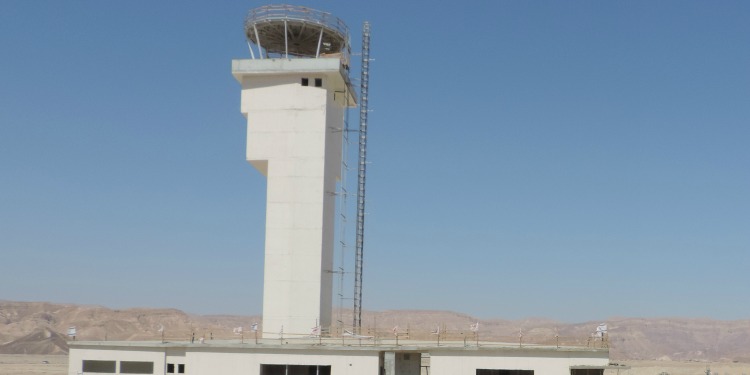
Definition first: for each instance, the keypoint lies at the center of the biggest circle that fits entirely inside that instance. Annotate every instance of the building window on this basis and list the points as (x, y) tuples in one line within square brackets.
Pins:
[(504, 372), (106, 367), (586, 371), (294, 370), (170, 368), (181, 368), (305, 82), (318, 82), (134, 367)]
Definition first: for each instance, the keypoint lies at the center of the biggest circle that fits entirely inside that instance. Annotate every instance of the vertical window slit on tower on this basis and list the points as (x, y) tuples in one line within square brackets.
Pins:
[(305, 82), (318, 82)]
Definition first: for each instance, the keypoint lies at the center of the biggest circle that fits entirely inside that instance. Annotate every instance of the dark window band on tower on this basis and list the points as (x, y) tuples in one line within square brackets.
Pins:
[(305, 82), (318, 82)]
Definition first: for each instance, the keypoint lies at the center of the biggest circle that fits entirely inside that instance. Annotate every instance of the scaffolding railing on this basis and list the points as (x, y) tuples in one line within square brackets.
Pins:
[(361, 177), (289, 30), (343, 208), (369, 337)]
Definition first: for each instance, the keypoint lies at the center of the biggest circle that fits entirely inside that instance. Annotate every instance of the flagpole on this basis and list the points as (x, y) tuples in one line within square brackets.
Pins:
[(474, 327), (438, 334)]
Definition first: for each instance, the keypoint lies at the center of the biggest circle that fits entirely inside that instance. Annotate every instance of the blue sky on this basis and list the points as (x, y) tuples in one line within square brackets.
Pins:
[(571, 160)]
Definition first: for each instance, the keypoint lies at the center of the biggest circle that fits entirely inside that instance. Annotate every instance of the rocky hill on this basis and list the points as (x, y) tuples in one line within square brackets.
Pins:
[(40, 328), (19, 319), (40, 341)]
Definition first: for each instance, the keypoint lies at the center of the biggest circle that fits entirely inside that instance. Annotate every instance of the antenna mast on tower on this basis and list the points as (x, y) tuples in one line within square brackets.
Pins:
[(361, 171)]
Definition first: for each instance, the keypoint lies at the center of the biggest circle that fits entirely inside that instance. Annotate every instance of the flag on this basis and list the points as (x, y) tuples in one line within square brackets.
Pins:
[(237, 330), (520, 333), (72, 331), (436, 331), (315, 331), (395, 331), (254, 327), (601, 330), (161, 328), (474, 327), (349, 333)]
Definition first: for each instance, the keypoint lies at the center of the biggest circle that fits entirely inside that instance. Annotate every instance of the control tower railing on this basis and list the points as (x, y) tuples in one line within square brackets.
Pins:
[(296, 31)]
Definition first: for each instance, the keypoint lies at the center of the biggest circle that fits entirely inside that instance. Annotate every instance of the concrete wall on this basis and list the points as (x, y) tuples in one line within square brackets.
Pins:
[(155, 355), (176, 356), (294, 138), (543, 363), (210, 361), (345, 363), (408, 363)]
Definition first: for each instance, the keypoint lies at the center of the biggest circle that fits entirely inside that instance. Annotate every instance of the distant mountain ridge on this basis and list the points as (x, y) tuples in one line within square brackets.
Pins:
[(40, 328)]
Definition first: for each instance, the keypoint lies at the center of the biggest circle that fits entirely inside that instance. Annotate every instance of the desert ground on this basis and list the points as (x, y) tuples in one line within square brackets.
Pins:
[(33, 364), (683, 368)]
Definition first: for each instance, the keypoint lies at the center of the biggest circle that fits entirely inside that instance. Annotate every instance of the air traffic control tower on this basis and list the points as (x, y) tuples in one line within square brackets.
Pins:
[(295, 92)]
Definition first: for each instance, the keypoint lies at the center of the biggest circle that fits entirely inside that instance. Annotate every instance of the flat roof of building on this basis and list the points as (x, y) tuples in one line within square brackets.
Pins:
[(338, 345)]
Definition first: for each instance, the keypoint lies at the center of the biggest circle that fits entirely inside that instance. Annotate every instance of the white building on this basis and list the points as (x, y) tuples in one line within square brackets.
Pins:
[(295, 91), (343, 358)]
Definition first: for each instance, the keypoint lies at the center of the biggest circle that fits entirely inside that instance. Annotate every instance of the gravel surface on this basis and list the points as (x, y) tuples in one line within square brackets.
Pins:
[(32, 364)]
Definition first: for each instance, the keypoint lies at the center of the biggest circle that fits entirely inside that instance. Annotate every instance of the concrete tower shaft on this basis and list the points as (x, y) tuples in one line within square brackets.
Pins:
[(295, 117)]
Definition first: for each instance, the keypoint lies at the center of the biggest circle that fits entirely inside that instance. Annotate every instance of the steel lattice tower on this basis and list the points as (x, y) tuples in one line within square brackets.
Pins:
[(361, 172)]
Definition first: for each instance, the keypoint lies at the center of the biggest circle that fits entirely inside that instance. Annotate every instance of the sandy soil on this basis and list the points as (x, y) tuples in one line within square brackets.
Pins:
[(32, 364), (682, 368)]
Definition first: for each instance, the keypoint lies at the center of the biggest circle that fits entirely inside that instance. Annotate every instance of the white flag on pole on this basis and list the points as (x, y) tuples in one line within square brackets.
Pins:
[(349, 333), (436, 331), (315, 331), (237, 330), (474, 327), (601, 330), (254, 327)]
